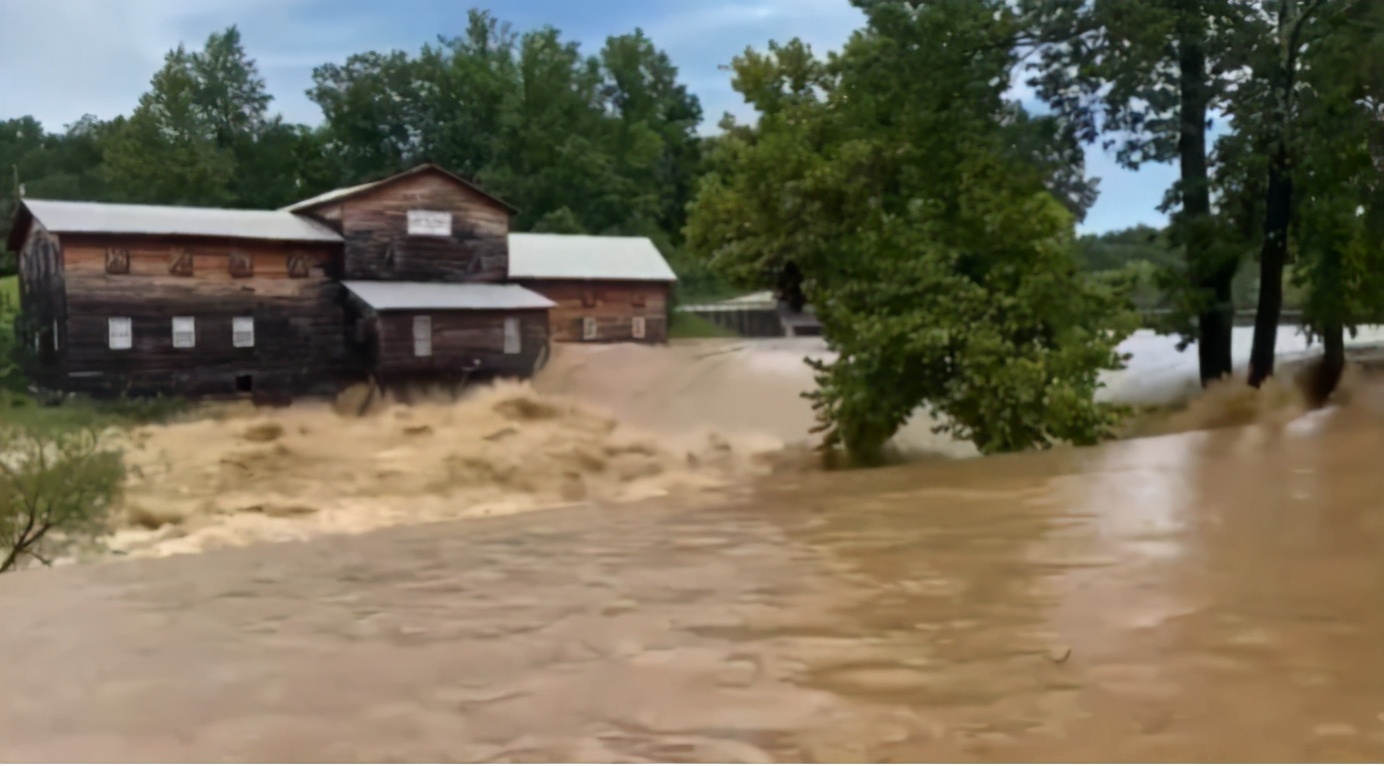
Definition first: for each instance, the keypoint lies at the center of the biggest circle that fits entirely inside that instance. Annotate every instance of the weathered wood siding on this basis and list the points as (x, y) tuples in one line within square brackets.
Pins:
[(42, 298), (378, 245), (299, 325), (612, 304), (458, 339)]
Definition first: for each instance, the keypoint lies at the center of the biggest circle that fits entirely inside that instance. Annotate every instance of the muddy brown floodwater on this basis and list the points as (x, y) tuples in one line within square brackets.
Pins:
[(1205, 596)]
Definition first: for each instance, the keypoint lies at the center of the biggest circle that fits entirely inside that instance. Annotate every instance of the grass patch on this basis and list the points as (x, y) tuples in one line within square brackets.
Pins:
[(685, 325), (24, 411), (9, 290)]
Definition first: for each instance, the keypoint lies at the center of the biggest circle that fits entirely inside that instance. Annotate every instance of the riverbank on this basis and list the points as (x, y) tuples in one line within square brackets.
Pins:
[(601, 424)]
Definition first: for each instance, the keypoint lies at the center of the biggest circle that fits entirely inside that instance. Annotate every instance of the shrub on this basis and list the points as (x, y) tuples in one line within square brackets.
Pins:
[(53, 483)]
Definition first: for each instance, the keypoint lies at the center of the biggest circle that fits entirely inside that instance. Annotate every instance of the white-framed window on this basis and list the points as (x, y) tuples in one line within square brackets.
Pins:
[(589, 328), (637, 328), (243, 332), (120, 333), (56, 342), (429, 223), (422, 335), (513, 340), (184, 332)]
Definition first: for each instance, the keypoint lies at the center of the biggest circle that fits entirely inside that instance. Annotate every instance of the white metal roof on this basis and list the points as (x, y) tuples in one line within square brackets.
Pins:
[(107, 218), (442, 296), (329, 196), (572, 256), (335, 194)]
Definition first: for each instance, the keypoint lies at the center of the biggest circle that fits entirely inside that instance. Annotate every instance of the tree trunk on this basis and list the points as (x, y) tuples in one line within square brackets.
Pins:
[(1215, 323), (1273, 257)]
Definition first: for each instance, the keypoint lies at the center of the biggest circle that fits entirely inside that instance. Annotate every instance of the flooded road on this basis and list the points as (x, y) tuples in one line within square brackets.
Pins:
[(1202, 596)]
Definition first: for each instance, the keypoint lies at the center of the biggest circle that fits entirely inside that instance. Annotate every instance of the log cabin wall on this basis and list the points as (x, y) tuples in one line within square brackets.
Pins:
[(613, 306), (375, 225), (298, 331), (41, 325), (458, 338)]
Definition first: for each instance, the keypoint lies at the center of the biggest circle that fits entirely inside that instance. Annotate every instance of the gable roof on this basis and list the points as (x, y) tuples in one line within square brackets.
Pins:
[(576, 256), (442, 296), (336, 195), (62, 217)]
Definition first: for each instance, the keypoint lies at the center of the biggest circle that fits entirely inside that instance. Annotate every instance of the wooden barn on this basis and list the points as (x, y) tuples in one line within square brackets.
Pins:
[(606, 289), (401, 278), (141, 299)]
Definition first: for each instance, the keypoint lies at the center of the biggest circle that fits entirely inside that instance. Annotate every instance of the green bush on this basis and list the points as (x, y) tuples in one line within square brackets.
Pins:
[(52, 482)]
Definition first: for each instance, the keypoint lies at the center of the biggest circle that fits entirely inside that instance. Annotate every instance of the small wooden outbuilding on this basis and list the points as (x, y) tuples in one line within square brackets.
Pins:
[(415, 331), (606, 289)]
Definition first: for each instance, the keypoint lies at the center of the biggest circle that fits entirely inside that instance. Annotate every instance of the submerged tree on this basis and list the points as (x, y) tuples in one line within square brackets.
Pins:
[(939, 259)]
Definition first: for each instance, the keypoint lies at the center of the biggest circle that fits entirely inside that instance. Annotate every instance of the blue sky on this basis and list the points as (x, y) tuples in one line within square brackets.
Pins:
[(60, 59)]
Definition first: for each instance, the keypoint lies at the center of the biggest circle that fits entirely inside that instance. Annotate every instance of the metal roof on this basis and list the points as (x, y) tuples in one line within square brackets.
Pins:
[(328, 196), (442, 296), (572, 256), (350, 191), (108, 218)]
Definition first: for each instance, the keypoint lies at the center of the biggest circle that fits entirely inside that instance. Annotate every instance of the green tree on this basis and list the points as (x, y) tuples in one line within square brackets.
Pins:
[(203, 135), (1338, 185), (1148, 75), (939, 260), (52, 483), (1274, 110)]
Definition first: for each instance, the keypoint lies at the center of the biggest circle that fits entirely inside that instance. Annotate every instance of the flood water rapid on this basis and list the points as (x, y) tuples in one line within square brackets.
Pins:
[(1199, 596)]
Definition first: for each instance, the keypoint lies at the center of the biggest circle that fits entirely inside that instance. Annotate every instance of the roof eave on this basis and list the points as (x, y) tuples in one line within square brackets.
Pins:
[(575, 278), (366, 188)]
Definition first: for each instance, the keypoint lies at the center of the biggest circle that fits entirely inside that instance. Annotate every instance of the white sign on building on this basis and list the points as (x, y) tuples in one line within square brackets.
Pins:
[(429, 223)]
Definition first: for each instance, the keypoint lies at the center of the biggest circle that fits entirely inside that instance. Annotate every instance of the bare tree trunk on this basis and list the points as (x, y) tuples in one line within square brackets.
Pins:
[(1278, 207), (1273, 258), (1216, 323)]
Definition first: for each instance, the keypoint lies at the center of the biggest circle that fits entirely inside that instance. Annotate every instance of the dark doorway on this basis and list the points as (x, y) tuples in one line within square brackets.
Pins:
[(245, 384)]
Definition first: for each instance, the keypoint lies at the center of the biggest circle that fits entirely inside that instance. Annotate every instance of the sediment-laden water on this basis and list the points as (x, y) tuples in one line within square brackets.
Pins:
[(1204, 595)]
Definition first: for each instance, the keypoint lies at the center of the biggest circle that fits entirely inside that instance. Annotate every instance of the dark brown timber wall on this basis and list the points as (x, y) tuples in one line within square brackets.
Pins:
[(378, 245), (40, 328), (299, 324), (459, 338), (613, 305)]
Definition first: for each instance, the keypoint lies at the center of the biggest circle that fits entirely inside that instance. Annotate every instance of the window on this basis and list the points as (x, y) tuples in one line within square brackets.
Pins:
[(637, 327), (180, 262), (513, 340), (298, 265), (121, 335), (55, 335), (241, 264), (422, 336), (589, 329), (243, 332), (117, 261), (245, 384), (184, 332), (429, 223)]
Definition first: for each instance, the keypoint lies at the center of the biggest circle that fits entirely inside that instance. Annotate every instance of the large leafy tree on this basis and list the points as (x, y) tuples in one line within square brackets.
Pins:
[(1147, 77), (1273, 111), (602, 144), (203, 135), (1337, 231), (938, 257)]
